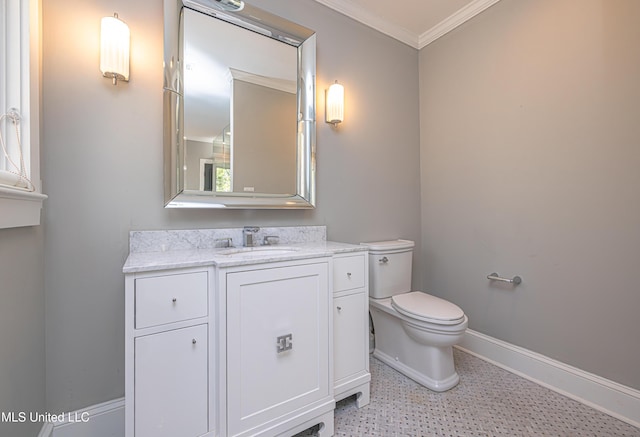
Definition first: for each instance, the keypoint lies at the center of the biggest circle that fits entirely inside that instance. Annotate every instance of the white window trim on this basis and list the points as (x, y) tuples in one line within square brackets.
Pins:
[(18, 207)]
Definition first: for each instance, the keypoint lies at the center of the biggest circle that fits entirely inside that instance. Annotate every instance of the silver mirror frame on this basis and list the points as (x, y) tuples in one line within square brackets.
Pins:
[(250, 18)]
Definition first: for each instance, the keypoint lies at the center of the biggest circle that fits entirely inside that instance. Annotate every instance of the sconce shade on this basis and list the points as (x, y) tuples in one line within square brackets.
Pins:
[(114, 49), (334, 107)]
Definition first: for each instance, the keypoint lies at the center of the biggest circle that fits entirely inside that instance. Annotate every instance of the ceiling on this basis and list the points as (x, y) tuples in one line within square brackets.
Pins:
[(414, 22)]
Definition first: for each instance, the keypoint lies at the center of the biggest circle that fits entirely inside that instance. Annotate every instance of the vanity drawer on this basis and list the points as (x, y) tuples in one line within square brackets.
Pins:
[(348, 272), (170, 298)]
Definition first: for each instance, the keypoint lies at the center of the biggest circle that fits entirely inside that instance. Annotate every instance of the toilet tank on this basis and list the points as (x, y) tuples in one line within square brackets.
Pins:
[(389, 267)]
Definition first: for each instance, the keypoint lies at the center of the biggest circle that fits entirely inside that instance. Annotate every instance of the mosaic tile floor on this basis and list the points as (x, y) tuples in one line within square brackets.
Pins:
[(489, 401)]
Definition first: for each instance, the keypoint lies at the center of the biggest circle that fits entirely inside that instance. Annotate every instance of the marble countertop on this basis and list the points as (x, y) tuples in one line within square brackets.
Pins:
[(172, 259)]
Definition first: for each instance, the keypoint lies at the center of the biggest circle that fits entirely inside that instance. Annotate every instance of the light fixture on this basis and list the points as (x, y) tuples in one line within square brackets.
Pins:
[(334, 105), (230, 5), (114, 49)]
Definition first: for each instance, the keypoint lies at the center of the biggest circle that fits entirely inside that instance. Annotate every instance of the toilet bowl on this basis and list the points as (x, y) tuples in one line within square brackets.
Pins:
[(414, 332)]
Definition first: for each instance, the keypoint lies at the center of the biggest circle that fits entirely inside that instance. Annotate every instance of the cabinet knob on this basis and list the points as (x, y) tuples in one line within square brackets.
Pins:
[(193, 341), (349, 275), (339, 308), (174, 300)]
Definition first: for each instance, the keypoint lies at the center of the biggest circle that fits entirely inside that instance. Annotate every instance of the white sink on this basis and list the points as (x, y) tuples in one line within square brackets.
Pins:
[(256, 252)]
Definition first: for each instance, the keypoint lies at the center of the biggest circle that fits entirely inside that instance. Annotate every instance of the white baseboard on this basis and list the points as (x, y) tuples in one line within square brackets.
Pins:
[(102, 420), (614, 399), (46, 431)]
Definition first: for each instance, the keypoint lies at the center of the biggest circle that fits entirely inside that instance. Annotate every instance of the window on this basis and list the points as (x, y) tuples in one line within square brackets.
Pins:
[(210, 169), (223, 179), (20, 192)]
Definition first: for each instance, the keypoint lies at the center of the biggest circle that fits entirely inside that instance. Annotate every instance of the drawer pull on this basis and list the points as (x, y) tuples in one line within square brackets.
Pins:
[(174, 300), (349, 275), (384, 260), (193, 341), (339, 308), (284, 343)]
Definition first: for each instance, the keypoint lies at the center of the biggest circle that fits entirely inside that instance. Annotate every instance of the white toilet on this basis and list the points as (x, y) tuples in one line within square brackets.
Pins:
[(414, 331)]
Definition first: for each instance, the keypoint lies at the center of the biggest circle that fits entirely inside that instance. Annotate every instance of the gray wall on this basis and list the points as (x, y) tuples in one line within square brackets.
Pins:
[(22, 336), (102, 170), (530, 156), (196, 150), (262, 139)]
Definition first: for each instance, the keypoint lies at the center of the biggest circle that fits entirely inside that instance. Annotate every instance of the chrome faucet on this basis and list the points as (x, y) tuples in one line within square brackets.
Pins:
[(249, 233)]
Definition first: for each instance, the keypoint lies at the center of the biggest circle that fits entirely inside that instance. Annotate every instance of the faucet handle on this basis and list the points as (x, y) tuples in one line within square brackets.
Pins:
[(224, 242), (270, 240)]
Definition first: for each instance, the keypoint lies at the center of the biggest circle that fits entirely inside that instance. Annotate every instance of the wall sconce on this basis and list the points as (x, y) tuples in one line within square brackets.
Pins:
[(334, 106), (230, 5), (114, 49)]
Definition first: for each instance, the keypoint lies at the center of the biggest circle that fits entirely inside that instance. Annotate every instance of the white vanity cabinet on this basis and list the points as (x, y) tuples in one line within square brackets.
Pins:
[(351, 327), (167, 354), (278, 348), (254, 342)]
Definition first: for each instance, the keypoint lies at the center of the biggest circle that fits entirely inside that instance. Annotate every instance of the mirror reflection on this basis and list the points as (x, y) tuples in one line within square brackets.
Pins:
[(239, 110)]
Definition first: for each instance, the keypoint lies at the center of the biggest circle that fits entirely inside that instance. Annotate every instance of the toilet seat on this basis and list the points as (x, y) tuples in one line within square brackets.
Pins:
[(427, 308)]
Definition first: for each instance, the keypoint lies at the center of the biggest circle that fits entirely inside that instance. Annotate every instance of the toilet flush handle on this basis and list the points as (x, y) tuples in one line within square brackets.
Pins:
[(384, 260)]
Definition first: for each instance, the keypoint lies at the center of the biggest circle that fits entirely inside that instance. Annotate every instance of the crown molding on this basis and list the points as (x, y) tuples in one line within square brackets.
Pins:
[(373, 21), (455, 20), (402, 34)]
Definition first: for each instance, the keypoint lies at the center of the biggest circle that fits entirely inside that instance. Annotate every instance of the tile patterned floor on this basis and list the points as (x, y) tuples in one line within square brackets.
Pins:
[(489, 401)]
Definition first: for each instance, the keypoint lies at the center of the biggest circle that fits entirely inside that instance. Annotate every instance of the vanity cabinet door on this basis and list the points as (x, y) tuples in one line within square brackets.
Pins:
[(278, 357), (171, 383), (351, 328), (349, 333)]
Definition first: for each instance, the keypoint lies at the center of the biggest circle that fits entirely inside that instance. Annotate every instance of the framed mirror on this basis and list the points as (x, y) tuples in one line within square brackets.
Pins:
[(239, 107)]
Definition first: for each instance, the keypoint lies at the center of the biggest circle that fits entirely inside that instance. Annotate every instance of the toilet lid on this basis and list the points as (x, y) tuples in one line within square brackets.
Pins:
[(429, 308)]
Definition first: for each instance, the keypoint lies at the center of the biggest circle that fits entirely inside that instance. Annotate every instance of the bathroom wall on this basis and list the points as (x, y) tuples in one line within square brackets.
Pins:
[(102, 170), (257, 109), (530, 155), (22, 336)]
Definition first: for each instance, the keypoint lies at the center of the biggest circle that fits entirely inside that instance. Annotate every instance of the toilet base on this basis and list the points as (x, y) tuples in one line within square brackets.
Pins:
[(405, 348), (422, 379)]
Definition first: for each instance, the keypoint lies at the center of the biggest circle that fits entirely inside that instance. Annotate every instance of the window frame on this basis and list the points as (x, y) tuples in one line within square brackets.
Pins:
[(18, 207)]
